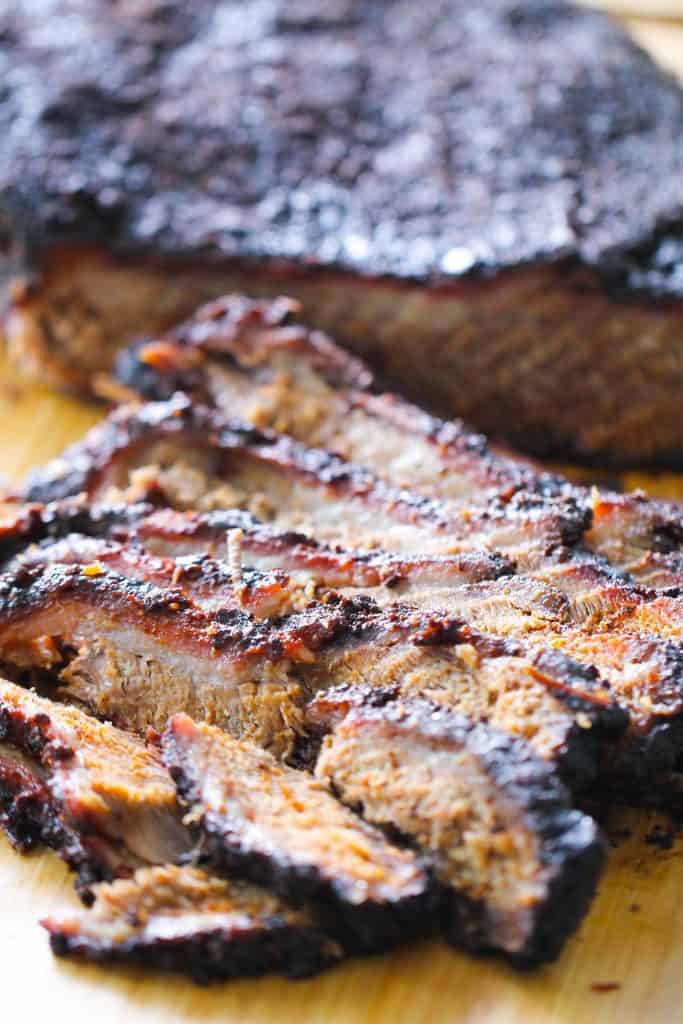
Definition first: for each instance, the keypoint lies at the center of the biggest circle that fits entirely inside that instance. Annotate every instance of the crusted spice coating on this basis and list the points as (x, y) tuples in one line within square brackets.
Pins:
[(181, 919), (280, 827), (517, 864), (292, 132), (97, 795)]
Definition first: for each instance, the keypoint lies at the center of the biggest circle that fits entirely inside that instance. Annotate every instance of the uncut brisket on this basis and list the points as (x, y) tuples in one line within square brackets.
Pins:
[(462, 194)]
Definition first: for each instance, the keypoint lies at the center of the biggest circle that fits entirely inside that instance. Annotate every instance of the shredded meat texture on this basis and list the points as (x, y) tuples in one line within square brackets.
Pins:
[(280, 827), (192, 457), (182, 919), (490, 818), (643, 671), (99, 796), (251, 360), (135, 652), (363, 610)]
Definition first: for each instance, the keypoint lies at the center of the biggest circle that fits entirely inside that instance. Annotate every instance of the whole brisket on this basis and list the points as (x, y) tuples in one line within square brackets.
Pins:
[(462, 193)]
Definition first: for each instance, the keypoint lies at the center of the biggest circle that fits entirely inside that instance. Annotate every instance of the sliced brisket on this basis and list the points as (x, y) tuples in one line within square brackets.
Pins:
[(250, 359), (182, 919), (192, 457), (517, 865), (99, 796), (281, 828), (136, 653)]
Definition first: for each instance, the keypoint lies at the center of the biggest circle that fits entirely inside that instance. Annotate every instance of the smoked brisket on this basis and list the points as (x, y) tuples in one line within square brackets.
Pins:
[(98, 796), (182, 919), (517, 865), (461, 194)]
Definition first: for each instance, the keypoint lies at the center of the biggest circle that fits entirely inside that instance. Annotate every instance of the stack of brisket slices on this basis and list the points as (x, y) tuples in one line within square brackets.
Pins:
[(299, 671)]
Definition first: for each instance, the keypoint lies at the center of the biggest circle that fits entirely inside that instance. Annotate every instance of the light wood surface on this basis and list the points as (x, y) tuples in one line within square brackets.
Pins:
[(632, 939), (669, 9)]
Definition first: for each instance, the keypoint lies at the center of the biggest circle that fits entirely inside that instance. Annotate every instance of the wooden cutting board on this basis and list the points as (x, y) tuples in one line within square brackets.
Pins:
[(625, 965)]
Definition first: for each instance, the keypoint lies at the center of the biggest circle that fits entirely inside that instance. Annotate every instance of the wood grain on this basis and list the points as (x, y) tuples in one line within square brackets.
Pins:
[(633, 937)]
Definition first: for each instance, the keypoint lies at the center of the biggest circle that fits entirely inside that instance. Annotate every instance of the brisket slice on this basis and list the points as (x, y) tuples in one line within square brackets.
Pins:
[(570, 590), (251, 359), (482, 225), (98, 796), (517, 865), (644, 671), (135, 653), (182, 919), (279, 827), (194, 458)]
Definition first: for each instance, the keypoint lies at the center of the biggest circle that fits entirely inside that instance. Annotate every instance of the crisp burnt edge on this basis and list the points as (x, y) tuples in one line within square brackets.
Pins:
[(650, 753), (571, 849), (230, 938), (241, 331), (329, 621), (246, 333), (233, 843), (130, 430), (32, 812)]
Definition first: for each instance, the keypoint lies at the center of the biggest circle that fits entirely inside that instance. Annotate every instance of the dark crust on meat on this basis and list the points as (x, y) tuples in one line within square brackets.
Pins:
[(28, 809), (27, 813), (145, 524), (227, 843), (211, 956), (330, 621), (256, 944), (570, 845), (82, 467), (247, 333), (238, 105), (325, 626)]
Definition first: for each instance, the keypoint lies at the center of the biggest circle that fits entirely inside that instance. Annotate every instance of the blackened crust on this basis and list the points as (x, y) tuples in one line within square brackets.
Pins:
[(231, 840), (212, 956), (571, 852), (131, 430), (280, 133), (29, 812)]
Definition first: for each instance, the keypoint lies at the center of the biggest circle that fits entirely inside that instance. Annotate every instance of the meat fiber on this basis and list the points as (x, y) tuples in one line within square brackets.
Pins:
[(99, 796), (191, 457), (182, 919), (254, 360), (136, 653), (280, 827), (462, 194), (517, 865)]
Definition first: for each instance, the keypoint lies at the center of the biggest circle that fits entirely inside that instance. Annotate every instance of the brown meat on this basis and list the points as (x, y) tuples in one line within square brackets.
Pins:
[(644, 671), (99, 796), (135, 653), (464, 196), (181, 919), (280, 827), (517, 865), (252, 360), (194, 458)]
